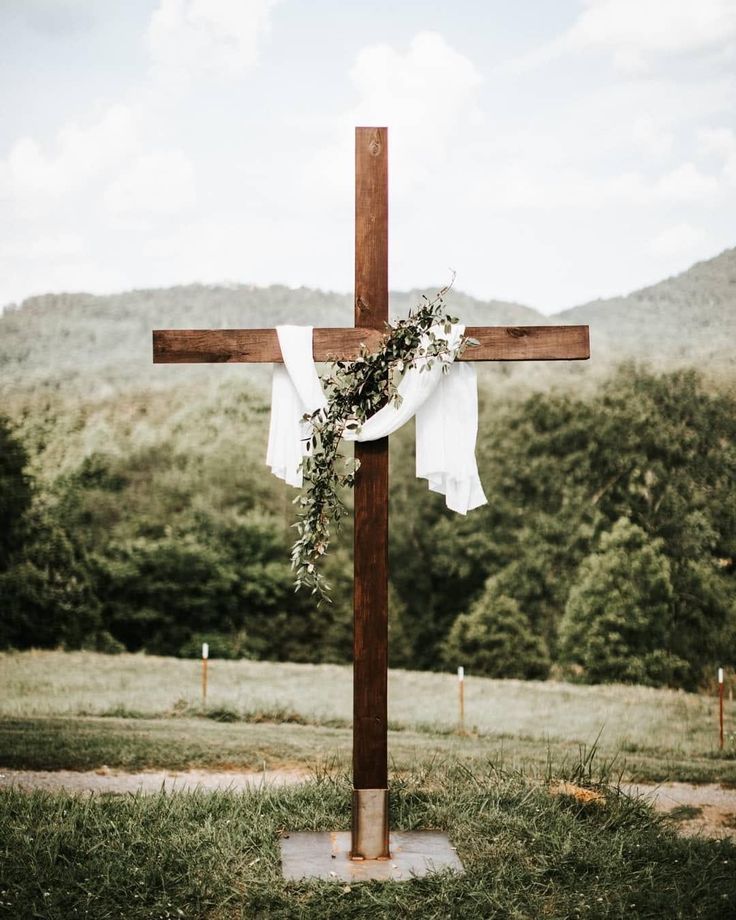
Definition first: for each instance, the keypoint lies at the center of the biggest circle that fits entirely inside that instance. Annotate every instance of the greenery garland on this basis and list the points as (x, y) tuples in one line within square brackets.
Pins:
[(355, 390)]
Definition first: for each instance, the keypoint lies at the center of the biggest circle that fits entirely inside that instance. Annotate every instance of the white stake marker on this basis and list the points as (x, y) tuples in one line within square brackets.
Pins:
[(720, 708), (461, 689), (205, 656)]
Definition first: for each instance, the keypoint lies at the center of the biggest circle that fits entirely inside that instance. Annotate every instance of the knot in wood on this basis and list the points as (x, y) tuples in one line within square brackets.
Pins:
[(375, 146), (516, 332)]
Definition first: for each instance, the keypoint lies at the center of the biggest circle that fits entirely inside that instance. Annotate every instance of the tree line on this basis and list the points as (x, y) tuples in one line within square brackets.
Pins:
[(606, 551)]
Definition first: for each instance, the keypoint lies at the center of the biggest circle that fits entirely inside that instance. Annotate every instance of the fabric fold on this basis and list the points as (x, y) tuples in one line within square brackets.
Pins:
[(296, 391), (443, 397)]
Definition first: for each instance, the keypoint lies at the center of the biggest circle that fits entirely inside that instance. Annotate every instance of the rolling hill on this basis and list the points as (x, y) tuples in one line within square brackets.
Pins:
[(98, 345), (688, 319)]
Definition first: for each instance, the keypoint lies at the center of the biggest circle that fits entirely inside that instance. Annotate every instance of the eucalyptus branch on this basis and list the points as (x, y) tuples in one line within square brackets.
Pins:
[(354, 391)]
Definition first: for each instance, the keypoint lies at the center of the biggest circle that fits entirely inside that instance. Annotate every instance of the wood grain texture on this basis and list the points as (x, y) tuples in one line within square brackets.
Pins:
[(226, 346), (528, 343), (370, 586), (497, 343)]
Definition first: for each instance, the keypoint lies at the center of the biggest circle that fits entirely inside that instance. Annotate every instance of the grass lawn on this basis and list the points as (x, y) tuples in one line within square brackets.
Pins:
[(527, 853), (83, 710), (55, 743)]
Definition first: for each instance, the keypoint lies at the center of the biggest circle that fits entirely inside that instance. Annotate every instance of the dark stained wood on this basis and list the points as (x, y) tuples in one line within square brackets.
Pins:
[(528, 343), (370, 587), (497, 343), (226, 346)]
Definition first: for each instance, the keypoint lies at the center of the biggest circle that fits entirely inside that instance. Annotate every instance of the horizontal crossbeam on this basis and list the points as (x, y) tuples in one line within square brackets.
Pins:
[(238, 346)]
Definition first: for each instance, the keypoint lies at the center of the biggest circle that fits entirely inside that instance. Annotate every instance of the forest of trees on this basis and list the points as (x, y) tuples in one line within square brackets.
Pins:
[(605, 553)]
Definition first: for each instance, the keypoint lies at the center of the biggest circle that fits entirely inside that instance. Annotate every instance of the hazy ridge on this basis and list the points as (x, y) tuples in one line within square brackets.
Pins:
[(102, 344), (687, 319)]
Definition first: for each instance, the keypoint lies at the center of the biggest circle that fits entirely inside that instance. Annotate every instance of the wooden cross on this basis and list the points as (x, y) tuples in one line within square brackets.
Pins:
[(370, 836)]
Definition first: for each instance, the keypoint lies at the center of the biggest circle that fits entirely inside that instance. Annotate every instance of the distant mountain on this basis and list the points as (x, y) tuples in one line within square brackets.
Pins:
[(99, 345), (687, 319), (96, 343)]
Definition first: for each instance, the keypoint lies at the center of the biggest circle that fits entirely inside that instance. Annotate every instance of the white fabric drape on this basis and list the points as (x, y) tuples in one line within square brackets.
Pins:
[(295, 391), (443, 397)]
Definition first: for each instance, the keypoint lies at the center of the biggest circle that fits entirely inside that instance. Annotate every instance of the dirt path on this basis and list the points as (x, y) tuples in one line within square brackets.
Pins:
[(708, 810), (148, 781)]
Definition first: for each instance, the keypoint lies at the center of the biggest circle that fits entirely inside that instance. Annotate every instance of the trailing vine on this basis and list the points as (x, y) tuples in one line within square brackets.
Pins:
[(355, 390)]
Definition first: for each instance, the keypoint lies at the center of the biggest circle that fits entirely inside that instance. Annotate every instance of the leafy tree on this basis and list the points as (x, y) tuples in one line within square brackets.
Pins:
[(231, 581), (15, 491), (439, 560), (157, 592), (221, 645), (618, 619), (495, 639), (656, 449), (47, 595), (164, 511), (282, 624)]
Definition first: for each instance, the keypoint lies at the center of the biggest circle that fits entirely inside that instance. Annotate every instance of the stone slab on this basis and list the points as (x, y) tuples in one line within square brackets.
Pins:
[(307, 854)]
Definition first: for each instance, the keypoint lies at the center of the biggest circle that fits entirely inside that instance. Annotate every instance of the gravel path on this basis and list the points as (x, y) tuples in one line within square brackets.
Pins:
[(148, 781), (708, 809)]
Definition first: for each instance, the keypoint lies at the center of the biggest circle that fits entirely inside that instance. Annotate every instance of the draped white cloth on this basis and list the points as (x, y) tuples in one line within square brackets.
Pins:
[(443, 397)]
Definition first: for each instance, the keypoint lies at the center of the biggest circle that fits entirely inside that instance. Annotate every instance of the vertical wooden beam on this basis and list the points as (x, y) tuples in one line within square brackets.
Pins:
[(370, 598)]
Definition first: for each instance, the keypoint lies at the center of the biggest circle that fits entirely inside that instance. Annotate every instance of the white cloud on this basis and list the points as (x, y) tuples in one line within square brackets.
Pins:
[(115, 175), (720, 143), (57, 261), (59, 245), (636, 31), (687, 183), (534, 185), (46, 189), (654, 25), (681, 240), (218, 37), (525, 184), (30, 177), (161, 182), (425, 95), (430, 87), (56, 17), (649, 137)]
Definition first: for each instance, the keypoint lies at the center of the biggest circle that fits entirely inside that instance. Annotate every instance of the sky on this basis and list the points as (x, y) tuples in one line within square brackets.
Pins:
[(546, 153)]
